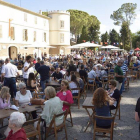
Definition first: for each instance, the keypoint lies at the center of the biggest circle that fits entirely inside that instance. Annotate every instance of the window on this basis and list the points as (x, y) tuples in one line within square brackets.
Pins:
[(0, 31), (62, 24), (61, 38), (34, 36), (25, 35), (44, 48), (12, 33), (25, 17), (44, 22), (35, 20), (35, 47), (25, 48), (44, 37)]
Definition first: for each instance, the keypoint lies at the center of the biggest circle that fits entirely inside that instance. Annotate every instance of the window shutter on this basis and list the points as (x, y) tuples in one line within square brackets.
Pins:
[(0, 31), (26, 35), (13, 33)]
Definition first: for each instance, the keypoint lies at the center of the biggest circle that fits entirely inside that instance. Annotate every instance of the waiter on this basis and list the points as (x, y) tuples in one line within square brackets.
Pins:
[(9, 72)]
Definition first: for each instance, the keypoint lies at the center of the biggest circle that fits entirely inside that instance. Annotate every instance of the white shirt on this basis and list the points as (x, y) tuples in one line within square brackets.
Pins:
[(9, 70), (30, 70), (73, 85), (23, 99)]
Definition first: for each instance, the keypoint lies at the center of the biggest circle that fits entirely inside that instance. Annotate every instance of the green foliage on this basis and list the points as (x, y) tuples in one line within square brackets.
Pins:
[(82, 23), (125, 14), (125, 36), (114, 37), (136, 39), (105, 38), (45, 13)]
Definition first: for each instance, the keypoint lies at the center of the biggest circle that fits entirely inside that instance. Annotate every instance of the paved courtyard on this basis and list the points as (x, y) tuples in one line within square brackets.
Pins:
[(126, 128)]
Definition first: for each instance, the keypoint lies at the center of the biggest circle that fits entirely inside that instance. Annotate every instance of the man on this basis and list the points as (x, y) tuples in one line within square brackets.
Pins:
[(27, 69), (119, 74), (37, 65), (57, 75), (44, 72), (125, 72), (83, 73), (1, 67), (9, 72)]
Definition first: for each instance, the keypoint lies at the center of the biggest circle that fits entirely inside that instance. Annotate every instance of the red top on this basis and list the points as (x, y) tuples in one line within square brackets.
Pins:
[(19, 135), (65, 96)]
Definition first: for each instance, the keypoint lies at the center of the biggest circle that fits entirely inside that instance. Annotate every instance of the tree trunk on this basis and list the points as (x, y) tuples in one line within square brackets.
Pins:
[(130, 38)]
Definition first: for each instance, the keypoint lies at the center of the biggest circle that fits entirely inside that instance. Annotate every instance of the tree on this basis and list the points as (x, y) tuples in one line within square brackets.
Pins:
[(136, 40), (84, 35), (125, 36), (93, 30), (77, 20), (125, 14), (105, 38), (114, 37)]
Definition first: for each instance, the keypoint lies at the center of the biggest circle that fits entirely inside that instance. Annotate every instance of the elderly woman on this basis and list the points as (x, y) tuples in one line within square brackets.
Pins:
[(15, 124), (5, 98), (53, 106), (24, 97), (114, 94), (65, 95)]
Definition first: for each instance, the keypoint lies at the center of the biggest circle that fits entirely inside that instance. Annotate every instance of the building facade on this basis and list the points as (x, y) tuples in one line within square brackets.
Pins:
[(20, 28)]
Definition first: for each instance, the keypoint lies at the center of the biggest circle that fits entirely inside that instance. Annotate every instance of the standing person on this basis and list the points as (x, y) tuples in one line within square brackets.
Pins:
[(27, 68), (9, 73), (119, 74), (19, 56), (125, 72), (35, 55), (44, 72), (37, 65), (1, 66)]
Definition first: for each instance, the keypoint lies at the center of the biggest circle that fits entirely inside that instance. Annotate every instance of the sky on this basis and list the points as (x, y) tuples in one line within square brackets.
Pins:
[(102, 9)]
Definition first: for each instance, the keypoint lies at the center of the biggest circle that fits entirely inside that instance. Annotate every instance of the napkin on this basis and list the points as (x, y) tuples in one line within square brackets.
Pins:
[(14, 107)]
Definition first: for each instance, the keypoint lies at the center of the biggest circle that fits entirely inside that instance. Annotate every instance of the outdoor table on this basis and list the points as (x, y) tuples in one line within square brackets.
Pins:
[(4, 113), (53, 83), (88, 105)]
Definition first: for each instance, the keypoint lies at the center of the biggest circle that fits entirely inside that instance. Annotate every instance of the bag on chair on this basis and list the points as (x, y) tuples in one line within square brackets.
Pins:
[(37, 101)]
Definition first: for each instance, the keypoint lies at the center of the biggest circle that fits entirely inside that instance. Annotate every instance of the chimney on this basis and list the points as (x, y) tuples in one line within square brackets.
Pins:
[(40, 12)]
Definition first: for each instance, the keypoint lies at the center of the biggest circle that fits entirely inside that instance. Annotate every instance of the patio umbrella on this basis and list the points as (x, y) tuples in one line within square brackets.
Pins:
[(137, 49), (88, 44), (109, 47)]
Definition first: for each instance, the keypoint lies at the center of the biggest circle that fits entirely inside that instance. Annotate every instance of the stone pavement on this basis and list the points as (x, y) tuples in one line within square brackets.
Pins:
[(126, 128)]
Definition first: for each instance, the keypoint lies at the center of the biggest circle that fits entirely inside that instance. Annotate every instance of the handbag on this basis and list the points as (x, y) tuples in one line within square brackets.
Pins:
[(37, 101)]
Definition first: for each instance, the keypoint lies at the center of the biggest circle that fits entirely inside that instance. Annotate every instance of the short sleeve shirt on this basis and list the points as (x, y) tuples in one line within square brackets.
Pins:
[(23, 99), (119, 71)]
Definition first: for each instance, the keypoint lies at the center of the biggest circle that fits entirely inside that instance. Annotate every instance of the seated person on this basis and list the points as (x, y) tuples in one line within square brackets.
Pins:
[(4, 98), (57, 74), (68, 76), (65, 95), (24, 97), (101, 103), (136, 66), (74, 84), (31, 82), (16, 121), (114, 94), (53, 106)]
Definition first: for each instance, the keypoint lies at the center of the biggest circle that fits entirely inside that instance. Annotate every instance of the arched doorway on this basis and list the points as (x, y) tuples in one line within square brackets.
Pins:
[(12, 52)]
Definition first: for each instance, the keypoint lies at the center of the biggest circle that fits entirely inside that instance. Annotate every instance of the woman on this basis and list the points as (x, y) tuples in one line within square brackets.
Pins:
[(53, 106), (16, 121), (5, 98), (65, 95), (68, 77), (114, 94), (31, 82), (101, 103), (24, 97), (74, 84)]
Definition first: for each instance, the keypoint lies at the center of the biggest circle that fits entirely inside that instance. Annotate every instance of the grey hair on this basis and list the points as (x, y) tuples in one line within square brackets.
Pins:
[(50, 92), (18, 119), (21, 85)]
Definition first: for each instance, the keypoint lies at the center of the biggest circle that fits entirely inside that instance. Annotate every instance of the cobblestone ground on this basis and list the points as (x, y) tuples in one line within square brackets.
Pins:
[(126, 128)]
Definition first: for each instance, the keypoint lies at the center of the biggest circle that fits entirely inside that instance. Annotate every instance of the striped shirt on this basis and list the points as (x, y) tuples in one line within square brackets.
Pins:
[(124, 68)]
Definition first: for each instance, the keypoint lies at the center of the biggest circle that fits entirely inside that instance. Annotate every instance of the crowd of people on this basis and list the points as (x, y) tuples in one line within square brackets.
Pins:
[(70, 71)]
